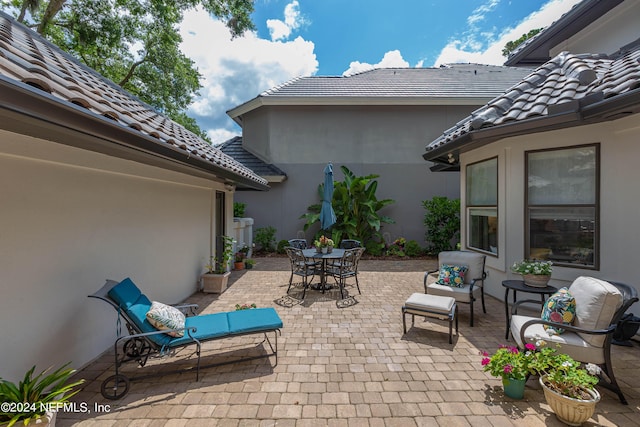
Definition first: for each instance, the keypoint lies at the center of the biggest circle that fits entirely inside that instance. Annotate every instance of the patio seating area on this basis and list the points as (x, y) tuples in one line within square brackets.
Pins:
[(340, 365)]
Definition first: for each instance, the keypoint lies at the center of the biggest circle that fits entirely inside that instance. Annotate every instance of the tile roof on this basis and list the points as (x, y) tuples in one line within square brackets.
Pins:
[(576, 85), (459, 84), (233, 148), (28, 60), (455, 80)]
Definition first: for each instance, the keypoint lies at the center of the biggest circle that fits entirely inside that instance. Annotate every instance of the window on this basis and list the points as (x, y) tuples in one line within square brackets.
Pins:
[(482, 206), (563, 205)]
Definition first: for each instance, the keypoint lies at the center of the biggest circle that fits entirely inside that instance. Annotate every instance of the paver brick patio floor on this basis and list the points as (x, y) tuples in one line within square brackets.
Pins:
[(349, 366)]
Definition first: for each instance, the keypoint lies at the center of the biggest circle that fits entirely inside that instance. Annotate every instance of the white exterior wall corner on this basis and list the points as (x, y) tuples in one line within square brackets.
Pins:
[(619, 199), (70, 219)]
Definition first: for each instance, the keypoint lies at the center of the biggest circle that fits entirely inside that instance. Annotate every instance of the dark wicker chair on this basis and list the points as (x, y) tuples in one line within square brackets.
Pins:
[(350, 244), (302, 267), (298, 243)]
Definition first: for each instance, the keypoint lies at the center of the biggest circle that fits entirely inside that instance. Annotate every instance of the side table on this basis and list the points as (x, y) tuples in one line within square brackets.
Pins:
[(519, 286)]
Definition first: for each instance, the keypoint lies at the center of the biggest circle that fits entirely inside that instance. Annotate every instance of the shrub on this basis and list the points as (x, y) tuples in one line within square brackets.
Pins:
[(374, 248), (413, 249), (397, 247), (281, 245), (238, 209), (442, 221), (266, 237)]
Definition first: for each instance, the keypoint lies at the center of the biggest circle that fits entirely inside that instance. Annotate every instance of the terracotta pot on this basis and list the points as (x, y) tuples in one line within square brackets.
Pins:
[(238, 265), (568, 410), (536, 280)]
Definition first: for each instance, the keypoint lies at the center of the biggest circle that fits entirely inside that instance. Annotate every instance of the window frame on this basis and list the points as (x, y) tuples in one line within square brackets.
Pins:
[(469, 207), (596, 206)]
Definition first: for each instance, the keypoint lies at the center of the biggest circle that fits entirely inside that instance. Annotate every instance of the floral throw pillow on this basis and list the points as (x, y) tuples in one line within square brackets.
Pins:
[(164, 317), (559, 308), (452, 275)]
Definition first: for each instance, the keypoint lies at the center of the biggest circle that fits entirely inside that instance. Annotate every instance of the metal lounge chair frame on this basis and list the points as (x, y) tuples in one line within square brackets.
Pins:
[(139, 345)]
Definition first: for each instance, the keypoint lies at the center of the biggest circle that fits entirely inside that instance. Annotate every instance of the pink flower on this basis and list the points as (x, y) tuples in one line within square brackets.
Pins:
[(508, 369), (513, 350), (529, 346), (485, 354), (485, 361)]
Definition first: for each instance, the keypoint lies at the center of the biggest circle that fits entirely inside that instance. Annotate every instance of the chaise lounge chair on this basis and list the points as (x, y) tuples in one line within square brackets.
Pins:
[(145, 340)]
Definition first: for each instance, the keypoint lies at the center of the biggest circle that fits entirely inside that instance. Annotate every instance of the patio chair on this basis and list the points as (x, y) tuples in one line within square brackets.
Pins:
[(599, 305), (346, 268), (302, 267), (350, 244), (144, 340), (298, 243), (471, 284)]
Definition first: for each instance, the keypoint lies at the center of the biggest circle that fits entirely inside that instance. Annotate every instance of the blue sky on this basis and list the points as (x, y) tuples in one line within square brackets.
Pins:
[(340, 37)]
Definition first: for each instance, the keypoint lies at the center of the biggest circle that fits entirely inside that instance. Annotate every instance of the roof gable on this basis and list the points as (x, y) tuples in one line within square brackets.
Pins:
[(32, 66), (234, 148)]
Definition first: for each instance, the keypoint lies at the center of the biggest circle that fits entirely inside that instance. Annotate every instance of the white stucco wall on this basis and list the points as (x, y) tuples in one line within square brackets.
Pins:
[(69, 219), (619, 199), (385, 140)]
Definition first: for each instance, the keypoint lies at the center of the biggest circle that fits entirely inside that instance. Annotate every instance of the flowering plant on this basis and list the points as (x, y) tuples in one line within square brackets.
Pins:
[(510, 362), (564, 374), (323, 242), (245, 306), (533, 267)]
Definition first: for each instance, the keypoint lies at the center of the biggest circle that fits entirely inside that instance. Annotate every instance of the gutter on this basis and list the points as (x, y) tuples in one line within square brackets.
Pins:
[(45, 116)]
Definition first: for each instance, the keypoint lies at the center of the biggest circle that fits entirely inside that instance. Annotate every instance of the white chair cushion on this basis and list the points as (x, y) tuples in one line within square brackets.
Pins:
[(460, 294), (596, 303), (420, 301), (571, 343), (474, 262)]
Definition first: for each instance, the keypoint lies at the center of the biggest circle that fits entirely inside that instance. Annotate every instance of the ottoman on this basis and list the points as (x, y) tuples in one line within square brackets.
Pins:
[(434, 306)]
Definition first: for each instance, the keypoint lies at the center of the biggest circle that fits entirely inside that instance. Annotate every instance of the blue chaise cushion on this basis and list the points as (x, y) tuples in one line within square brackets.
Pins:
[(208, 326), (253, 320), (125, 293)]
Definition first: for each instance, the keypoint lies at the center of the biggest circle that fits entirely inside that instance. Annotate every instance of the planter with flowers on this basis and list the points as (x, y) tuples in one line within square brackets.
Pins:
[(568, 386), (324, 245), (534, 272), (512, 365)]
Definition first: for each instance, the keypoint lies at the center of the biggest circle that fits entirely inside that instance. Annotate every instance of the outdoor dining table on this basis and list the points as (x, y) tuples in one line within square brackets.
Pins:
[(334, 254)]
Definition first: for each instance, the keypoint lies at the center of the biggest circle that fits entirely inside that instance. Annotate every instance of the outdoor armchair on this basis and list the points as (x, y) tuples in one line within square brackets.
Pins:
[(346, 268), (302, 267), (466, 291), (350, 244), (599, 305), (298, 243)]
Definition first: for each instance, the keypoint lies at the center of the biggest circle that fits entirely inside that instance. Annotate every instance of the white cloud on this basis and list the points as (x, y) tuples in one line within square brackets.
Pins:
[(479, 13), (281, 30), (236, 71), (469, 48), (391, 59)]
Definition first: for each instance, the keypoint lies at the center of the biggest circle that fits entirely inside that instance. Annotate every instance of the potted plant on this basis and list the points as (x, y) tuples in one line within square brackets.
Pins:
[(568, 387), (238, 263), (324, 244), (249, 263), (245, 306), (535, 273), (215, 279), (512, 365), (240, 256), (36, 399)]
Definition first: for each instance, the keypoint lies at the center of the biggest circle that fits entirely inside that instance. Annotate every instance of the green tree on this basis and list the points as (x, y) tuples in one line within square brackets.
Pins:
[(442, 222), (512, 45), (356, 207), (134, 43)]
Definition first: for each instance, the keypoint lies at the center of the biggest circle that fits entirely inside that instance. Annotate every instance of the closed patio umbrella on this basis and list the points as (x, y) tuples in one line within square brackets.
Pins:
[(327, 215)]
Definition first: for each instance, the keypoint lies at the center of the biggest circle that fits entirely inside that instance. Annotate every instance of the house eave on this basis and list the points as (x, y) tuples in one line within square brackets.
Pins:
[(262, 101), (610, 109), (43, 116)]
